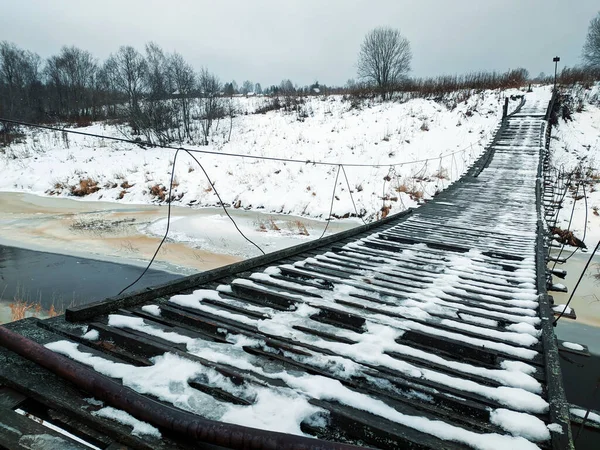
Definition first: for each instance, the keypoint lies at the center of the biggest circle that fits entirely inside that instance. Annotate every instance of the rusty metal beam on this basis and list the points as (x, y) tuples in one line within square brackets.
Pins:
[(164, 417)]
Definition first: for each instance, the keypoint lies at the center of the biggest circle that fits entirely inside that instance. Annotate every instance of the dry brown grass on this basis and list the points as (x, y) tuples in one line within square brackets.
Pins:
[(412, 190), (383, 212), (261, 226), (272, 225), (416, 195), (265, 225), (125, 185), (158, 191), (302, 230), (441, 174), (19, 309), (566, 237), (86, 186), (52, 312)]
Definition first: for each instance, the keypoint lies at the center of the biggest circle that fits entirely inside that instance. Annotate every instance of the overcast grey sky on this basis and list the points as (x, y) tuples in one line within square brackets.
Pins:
[(269, 40)]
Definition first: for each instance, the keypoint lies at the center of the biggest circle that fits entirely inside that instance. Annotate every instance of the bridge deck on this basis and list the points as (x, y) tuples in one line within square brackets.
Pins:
[(431, 329)]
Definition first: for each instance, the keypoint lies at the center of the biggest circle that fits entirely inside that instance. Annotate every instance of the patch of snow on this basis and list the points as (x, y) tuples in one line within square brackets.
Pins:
[(573, 346), (91, 335), (592, 416), (555, 428), (520, 424), (152, 309), (562, 308), (139, 428)]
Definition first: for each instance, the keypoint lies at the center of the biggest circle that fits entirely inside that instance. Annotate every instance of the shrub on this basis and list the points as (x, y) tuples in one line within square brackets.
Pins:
[(158, 191), (86, 186)]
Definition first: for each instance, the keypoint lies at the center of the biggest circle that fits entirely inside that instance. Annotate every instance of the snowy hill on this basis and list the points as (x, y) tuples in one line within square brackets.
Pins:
[(331, 129), (576, 143)]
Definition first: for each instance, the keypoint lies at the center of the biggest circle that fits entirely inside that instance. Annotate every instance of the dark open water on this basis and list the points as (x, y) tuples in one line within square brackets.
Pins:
[(49, 278)]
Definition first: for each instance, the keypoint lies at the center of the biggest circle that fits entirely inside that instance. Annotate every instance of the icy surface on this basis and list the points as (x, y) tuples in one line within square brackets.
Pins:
[(562, 308), (573, 346), (139, 428), (592, 416)]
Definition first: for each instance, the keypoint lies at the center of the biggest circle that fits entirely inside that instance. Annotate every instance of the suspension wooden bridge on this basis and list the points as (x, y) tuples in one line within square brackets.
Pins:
[(429, 329)]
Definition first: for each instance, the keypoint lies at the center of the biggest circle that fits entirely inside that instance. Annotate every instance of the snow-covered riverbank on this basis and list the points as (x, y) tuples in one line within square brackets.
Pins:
[(576, 143), (329, 129)]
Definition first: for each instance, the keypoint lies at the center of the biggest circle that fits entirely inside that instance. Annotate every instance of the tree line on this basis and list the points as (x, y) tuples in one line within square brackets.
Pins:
[(158, 94), (162, 98)]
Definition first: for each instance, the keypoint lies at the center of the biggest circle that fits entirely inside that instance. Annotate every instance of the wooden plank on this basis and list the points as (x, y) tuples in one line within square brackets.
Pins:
[(85, 312), (56, 394), (19, 432), (9, 398)]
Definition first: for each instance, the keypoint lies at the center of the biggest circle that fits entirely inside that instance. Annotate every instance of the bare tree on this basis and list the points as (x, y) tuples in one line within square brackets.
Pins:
[(210, 102), (258, 89), (71, 75), (184, 82), (157, 118), (247, 87), (19, 83), (591, 48), (126, 69), (384, 58)]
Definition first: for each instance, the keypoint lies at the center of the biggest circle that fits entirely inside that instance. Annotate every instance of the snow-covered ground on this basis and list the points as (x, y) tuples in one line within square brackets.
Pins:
[(327, 129), (576, 143)]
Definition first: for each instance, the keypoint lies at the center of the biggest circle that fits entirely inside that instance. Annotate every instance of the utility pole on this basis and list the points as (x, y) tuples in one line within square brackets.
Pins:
[(556, 59)]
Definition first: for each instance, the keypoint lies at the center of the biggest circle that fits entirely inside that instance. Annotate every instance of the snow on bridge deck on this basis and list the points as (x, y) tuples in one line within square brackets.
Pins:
[(430, 329)]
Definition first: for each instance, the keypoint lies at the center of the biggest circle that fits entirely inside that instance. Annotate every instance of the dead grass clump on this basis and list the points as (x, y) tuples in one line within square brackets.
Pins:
[(158, 191), (58, 187), (403, 188), (265, 225), (424, 126), (121, 194), (52, 312), (302, 230), (272, 225), (86, 186), (441, 174), (566, 237), (125, 185), (383, 212), (19, 309), (416, 195)]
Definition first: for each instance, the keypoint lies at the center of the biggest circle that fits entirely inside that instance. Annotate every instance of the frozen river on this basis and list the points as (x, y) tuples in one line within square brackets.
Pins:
[(64, 251)]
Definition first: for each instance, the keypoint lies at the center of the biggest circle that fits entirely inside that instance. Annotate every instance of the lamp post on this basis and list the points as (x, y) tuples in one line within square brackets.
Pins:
[(556, 59)]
